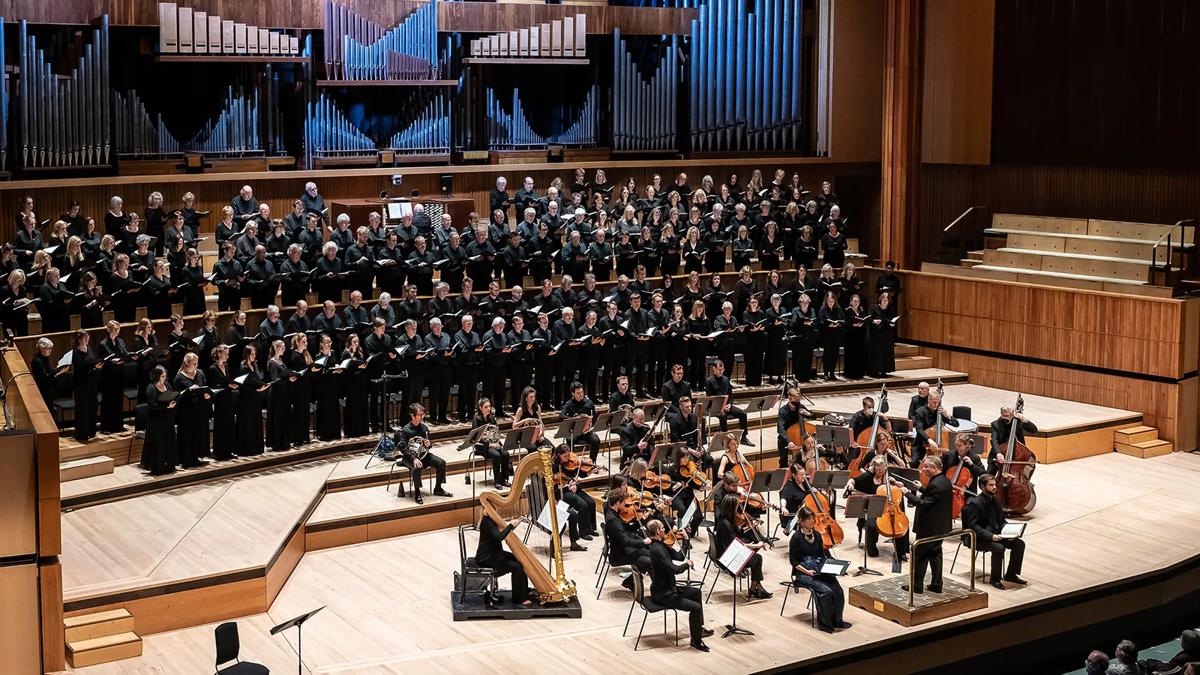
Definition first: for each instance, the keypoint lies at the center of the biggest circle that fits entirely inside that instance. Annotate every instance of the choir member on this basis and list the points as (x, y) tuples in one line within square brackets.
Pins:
[(251, 385), (777, 322), (220, 380), (881, 338), (113, 355), (159, 445), (193, 410), (299, 360), (279, 403), (327, 374), (833, 322), (754, 350), (355, 386), (854, 359), (54, 304), (84, 386)]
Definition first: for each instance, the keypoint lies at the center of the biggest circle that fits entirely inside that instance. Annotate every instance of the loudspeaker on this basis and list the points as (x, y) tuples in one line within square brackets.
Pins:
[(446, 182)]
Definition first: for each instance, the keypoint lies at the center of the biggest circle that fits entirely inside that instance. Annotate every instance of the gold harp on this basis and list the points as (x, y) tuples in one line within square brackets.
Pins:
[(535, 466)]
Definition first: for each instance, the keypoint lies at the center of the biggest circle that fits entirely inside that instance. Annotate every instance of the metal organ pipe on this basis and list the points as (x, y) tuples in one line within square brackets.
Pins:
[(359, 49), (644, 110), (429, 133)]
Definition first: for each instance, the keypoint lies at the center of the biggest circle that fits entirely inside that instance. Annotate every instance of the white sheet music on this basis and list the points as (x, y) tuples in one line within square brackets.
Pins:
[(736, 556), (564, 512), (1012, 531), (690, 513), (66, 359)]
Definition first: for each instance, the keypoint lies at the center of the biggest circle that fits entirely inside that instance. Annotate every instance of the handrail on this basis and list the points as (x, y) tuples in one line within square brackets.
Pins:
[(912, 570), (1167, 237), (964, 215)]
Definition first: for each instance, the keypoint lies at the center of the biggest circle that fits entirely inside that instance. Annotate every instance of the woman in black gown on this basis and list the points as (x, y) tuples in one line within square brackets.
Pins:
[(756, 329), (833, 325), (699, 345), (854, 358), (804, 338), (192, 412), (354, 382), (327, 384), (777, 325), (806, 552), (158, 449), (112, 380), (279, 404), (248, 435), (84, 384), (192, 274), (178, 344), (299, 360), (12, 294), (206, 338), (224, 404), (145, 346), (881, 338)]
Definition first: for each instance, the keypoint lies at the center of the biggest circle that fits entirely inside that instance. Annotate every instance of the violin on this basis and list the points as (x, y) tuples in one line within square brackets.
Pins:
[(691, 471), (578, 466), (672, 537), (630, 508), (1017, 463)]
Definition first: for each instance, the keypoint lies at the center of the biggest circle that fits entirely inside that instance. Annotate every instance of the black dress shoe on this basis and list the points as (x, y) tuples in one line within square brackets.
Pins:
[(997, 585), (699, 646), (418, 498), (576, 546), (935, 589), (843, 625), (826, 630), (746, 441), (918, 590), (441, 493), (707, 632), (1012, 578), (586, 537)]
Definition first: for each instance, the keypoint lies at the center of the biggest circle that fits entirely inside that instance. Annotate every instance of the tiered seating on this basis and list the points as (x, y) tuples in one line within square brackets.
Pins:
[(1105, 251)]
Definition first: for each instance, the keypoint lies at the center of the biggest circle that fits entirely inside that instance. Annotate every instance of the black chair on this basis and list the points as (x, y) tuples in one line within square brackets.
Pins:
[(604, 565), (713, 562), (961, 412), (789, 588), (640, 599), (471, 573), (227, 650)]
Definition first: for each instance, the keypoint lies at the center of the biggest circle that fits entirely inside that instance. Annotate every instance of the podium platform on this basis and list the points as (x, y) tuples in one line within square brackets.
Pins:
[(885, 598)]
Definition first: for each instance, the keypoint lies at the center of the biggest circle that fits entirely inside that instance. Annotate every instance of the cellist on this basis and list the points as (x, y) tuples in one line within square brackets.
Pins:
[(1001, 429), (790, 414), (867, 483), (865, 418), (964, 453)]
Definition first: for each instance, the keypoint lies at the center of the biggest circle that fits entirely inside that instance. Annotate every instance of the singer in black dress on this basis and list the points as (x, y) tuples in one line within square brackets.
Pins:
[(299, 360), (113, 354), (354, 382), (192, 412), (279, 404), (84, 384), (158, 448), (248, 436), (224, 406), (832, 321), (881, 338), (854, 359), (327, 385)]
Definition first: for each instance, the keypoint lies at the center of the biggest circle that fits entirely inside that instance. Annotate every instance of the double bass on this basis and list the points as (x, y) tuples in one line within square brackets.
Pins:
[(1015, 490), (866, 439), (941, 435), (959, 481), (797, 431)]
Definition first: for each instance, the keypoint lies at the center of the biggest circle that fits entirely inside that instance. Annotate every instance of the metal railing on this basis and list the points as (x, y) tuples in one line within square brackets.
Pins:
[(960, 240), (912, 568), (1186, 254)]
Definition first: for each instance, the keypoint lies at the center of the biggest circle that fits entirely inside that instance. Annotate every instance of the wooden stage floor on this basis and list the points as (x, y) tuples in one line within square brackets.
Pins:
[(388, 601)]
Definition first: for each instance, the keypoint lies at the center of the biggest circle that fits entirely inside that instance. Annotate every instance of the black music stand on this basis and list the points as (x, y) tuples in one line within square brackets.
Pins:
[(298, 622), (706, 407), (605, 422), (656, 410), (570, 428), (732, 628), (767, 482), (761, 405), (825, 480), (517, 440), (869, 507), (469, 443)]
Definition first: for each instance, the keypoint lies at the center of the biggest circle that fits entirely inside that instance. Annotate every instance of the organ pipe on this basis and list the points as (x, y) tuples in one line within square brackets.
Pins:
[(357, 48), (644, 109)]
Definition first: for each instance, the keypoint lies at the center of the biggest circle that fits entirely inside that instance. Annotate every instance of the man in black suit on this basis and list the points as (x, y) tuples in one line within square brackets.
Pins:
[(933, 517), (1001, 430), (665, 592), (491, 554), (984, 516), (675, 388), (626, 545)]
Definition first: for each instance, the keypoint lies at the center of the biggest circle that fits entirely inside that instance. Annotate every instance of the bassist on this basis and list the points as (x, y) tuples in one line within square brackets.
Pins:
[(1001, 430)]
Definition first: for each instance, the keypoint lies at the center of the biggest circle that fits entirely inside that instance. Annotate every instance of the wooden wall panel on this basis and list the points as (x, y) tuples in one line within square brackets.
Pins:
[(957, 109), (1169, 406), (853, 97), (279, 189), (1099, 330), (306, 14), (19, 616), (18, 495), (900, 166)]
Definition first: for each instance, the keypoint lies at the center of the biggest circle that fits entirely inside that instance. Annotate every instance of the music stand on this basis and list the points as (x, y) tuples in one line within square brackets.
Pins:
[(605, 422), (517, 440), (716, 442), (732, 628), (570, 428), (869, 507), (708, 406), (768, 482), (761, 405), (298, 622), (659, 409), (469, 442)]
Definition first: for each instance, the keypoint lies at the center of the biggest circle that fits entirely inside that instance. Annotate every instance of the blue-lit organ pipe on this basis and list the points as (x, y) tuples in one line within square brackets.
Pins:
[(3, 104), (509, 132), (428, 134), (137, 133), (65, 120), (582, 131), (744, 94), (329, 133), (357, 48), (235, 131), (644, 111)]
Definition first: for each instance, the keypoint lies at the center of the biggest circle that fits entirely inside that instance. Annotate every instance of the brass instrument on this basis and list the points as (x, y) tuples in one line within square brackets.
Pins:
[(535, 466), (418, 447), (626, 411), (490, 435)]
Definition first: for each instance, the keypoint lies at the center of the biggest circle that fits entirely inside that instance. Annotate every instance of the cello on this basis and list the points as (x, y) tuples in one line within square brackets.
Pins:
[(801, 428), (1015, 491), (826, 523), (866, 439), (961, 479), (941, 435)]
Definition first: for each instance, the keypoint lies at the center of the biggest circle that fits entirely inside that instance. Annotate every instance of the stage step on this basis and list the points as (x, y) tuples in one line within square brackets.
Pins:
[(975, 255), (1135, 434), (1146, 449), (913, 362), (97, 625), (104, 649), (969, 262), (85, 468)]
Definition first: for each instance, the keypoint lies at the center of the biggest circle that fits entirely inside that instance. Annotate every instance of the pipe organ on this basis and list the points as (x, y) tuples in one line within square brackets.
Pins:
[(330, 134), (65, 119), (235, 130), (644, 109), (512, 131), (357, 48), (428, 133), (560, 38), (137, 133), (3, 103), (745, 76), (184, 30)]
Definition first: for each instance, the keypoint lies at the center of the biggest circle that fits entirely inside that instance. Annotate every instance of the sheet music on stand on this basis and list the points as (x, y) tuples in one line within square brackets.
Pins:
[(736, 557), (564, 512), (716, 442), (690, 513)]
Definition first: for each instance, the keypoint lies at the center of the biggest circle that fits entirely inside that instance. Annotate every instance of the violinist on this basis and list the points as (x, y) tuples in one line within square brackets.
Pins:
[(580, 405), (637, 441), (806, 552), (934, 509), (416, 428), (627, 543), (582, 522), (729, 516), (501, 460), (687, 472), (790, 414), (719, 385), (964, 454), (640, 479), (867, 483), (984, 516), (1001, 430), (925, 425), (666, 593)]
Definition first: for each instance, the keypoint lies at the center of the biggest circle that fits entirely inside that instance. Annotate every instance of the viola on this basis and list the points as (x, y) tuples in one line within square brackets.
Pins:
[(826, 524), (1017, 463)]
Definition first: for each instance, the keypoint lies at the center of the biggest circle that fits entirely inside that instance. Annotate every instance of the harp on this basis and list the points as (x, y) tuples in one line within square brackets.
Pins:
[(535, 467)]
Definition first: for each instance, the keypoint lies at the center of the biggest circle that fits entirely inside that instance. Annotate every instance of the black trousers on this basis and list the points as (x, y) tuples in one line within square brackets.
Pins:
[(736, 413), (467, 377), (508, 564), (431, 461), (614, 361), (928, 556), (828, 596), (681, 503), (495, 386), (568, 362), (687, 599), (500, 459), (229, 300), (638, 358), (377, 404), (582, 522), (755, 565), (872, 538), (997, 548), (543, 381), (802, 359), (439, 391), (519, 373), (593, 443)]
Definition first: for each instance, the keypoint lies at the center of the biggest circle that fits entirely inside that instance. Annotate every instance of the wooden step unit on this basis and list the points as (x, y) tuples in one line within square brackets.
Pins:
[(1141, 441), (85, 468), (98, 624), (101, 637)]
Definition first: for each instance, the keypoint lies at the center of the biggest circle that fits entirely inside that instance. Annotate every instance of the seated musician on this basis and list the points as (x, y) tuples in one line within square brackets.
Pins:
[(666, 593), (636, 480), (627, 545), (491, 553), (984, 516), (867, 483), (925, 425), (805, 554), (919, 400), (964, 454), (792, 494), (580, 405), (416, 428), (582, 522), (494, 451), (621, 397), (636, 440), (790, 413), (529, 413), (684, 428), (728, 530), (731, 456), (731, 484), (865, 419), (1001, 430), (719, 385), (685, 494), (675, 388)]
